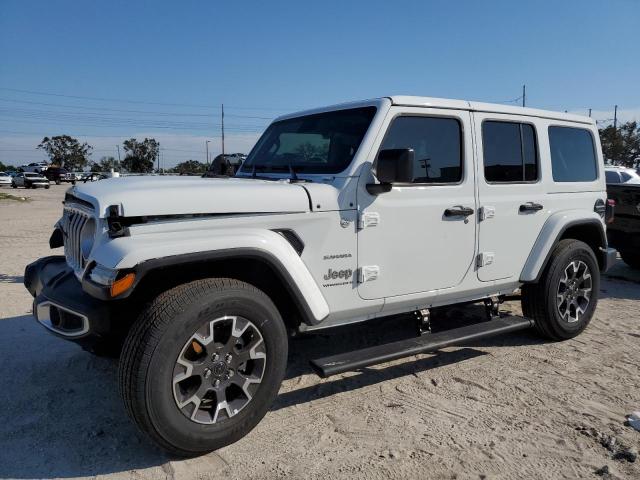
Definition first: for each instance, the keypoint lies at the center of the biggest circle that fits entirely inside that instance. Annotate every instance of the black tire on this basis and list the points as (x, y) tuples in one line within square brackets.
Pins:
[(47, 187), (13, 185), (58, 181), (157, 338), (540, 300), (631, 258)]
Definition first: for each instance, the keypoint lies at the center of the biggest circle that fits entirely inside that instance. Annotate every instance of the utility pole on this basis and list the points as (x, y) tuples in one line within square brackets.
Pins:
[(524, 95), (223, 131), (206, 160), (118, 157), (589, 113), (615, 118)]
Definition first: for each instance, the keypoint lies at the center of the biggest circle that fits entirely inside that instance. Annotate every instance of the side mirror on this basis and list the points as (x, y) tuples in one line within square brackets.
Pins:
[(393, 166)]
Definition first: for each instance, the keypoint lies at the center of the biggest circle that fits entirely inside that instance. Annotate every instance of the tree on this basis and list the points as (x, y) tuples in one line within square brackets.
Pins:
[(621, 145), (66, 151), (105, 165), (7, 168), (140, 155), (190, 167)]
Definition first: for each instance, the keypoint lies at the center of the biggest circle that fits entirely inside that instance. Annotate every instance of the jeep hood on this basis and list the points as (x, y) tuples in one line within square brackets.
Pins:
[(150, 196)]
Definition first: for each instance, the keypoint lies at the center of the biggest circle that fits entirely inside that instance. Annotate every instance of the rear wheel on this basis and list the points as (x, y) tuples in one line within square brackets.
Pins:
[(202, 365), (562, 303), (631, 258), (13, 185)]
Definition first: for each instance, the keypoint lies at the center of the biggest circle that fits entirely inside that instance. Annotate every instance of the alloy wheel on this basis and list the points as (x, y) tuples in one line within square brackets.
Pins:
[(574, 291), (219, 369)]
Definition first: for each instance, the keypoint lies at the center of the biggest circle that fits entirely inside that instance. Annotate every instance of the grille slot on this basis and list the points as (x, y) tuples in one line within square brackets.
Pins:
[(73, 219)]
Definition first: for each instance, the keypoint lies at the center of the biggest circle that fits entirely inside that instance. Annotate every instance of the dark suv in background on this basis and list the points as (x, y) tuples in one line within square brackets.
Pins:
[(59, 175)]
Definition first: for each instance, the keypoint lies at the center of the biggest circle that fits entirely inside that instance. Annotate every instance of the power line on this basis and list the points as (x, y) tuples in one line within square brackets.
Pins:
[(86, 135), (140, 102), (119, 124), (145, 112), (513, 100)]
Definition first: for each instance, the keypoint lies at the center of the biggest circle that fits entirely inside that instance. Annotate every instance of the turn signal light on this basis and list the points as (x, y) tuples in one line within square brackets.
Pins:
[(122, 284)]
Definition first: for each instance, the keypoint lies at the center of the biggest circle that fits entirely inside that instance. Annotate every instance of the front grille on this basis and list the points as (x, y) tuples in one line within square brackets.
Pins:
[(73, 219)]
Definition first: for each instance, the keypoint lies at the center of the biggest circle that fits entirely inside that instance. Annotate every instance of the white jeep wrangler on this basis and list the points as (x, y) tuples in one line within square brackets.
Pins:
[(338, 215)]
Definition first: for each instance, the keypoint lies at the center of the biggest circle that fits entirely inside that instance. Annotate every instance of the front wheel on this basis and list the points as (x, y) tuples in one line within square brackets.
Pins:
[(565, 298), (202, 365)]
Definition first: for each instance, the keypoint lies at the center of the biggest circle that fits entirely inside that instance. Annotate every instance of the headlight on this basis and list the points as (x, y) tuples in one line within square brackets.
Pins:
[(87, 237), (118, 282)]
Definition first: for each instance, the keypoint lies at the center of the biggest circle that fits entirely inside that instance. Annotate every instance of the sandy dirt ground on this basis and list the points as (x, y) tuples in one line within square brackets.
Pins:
[(510, 407)]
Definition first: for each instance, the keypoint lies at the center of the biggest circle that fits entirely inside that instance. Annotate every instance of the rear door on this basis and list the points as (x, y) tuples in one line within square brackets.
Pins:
[(406, 242), (511, 193)]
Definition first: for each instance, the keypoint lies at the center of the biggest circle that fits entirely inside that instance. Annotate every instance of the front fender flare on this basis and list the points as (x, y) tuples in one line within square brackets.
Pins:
[(146, 252), (549, 236)]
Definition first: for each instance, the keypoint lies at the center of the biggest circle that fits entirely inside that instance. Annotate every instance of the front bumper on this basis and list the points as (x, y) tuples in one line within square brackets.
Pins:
[(65, 309)]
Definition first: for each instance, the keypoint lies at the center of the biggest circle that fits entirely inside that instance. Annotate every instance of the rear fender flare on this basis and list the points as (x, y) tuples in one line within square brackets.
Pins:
[(551, 233)]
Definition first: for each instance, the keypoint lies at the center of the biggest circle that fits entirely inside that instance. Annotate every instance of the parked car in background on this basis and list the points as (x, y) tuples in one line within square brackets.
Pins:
[(615, 175), (5, 179), (623, 233), (91, 177), (225, 165), (35, 167), (59, 175), (29, 180)]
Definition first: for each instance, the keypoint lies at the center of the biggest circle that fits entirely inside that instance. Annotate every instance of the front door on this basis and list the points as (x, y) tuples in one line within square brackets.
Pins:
[(511, 193), (420, 237)]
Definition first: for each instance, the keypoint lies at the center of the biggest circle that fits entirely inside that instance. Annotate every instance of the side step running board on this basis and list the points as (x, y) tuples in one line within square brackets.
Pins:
[(344, 362)]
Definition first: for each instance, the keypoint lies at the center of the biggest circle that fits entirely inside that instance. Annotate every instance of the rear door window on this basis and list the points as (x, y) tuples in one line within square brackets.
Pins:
[(510, 152), (573, 155)]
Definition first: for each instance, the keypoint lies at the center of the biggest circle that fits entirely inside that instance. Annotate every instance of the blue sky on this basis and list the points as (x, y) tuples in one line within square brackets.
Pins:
[(162, 68)]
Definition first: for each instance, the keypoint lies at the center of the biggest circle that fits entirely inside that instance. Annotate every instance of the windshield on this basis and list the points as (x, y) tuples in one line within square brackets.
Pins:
[(320, 143)]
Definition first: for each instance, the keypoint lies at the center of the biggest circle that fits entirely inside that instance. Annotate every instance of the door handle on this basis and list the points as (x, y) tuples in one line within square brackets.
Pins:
[(458, 211), (531, 207)]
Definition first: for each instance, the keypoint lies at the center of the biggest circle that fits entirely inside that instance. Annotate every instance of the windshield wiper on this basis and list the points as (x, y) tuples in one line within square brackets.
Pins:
[(294, 177), (277, 168), (255, 168)]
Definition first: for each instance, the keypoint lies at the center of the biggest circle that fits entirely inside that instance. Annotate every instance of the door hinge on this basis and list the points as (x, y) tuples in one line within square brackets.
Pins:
[(368, 273), (487, 212), (368, 219), (485, 258)]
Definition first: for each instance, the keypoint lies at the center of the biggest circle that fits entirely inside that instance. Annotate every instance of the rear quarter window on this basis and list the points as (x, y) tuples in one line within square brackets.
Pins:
[(573, 154)]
